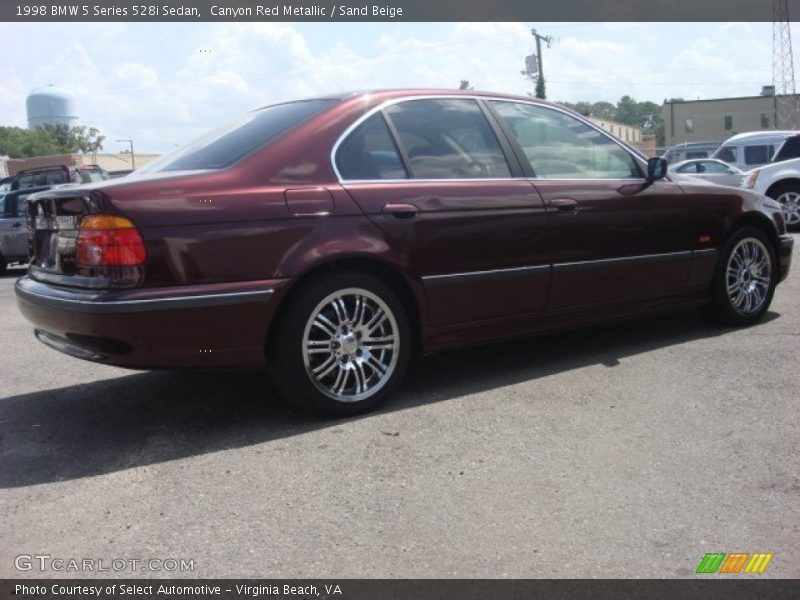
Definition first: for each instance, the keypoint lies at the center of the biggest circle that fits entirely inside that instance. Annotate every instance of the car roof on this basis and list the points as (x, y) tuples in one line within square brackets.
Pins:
[(692, 160), (760, 135), (48, 167), (381, 95), (693, 145)]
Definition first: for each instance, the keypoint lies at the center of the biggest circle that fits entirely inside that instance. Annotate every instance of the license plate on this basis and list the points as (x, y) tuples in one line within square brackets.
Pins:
[(66, 222), (58, 222)]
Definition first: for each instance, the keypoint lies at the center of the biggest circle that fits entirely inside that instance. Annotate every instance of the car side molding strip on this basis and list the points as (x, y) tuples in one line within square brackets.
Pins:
[(489, 273), (577, 265)]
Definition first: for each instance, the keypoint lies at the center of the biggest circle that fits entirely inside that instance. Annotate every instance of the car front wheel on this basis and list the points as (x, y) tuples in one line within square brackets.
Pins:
[(342, 346), (745, 279)]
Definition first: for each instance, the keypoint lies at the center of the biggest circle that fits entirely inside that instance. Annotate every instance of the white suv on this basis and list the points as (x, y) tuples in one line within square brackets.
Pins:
[(780, 181)]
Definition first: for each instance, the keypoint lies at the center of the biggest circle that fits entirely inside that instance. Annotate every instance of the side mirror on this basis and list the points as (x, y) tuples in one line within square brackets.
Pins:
[(656, 168)]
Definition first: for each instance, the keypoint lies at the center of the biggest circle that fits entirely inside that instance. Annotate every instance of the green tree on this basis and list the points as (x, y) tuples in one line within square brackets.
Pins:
[(17, 142), (83, 139), (88, 140), (604, 110), (583, 108), (645, 115), (626, 111)]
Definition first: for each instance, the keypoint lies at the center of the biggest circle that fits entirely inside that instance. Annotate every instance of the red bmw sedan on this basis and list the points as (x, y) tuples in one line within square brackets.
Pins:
[(329, 239)]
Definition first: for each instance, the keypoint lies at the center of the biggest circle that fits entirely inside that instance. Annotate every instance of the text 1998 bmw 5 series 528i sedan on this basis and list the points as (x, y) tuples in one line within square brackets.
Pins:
[(329, 239)]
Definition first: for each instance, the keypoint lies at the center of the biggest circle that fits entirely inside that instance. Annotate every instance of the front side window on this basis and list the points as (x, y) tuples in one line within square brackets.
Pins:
[(559, 146), (756, 155), (13, 207), (447, 138), (696, 154), (370, 153), (690, 168)]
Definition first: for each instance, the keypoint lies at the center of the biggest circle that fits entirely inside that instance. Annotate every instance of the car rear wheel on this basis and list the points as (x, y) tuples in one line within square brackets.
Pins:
[(3, 265), (342, 346), (788, 196), (745, 279)]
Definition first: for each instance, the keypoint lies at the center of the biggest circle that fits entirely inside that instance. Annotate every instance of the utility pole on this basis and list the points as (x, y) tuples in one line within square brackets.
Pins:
[(786, 102), (541, 92), (133, 156)]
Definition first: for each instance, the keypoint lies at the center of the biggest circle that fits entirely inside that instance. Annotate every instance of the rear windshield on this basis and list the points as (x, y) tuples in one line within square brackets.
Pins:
[(225, 146), (91, 175)]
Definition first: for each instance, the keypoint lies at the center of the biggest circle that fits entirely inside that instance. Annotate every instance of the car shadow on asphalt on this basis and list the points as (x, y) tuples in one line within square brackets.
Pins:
[(152, 417)]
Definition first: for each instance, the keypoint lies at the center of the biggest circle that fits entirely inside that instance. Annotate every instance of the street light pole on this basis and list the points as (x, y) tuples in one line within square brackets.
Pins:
[(133, 156)]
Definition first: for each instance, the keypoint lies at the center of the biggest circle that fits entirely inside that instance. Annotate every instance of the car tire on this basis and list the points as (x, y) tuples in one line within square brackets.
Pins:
[(745, 279), (3, 265), (342, 345), (788, 196)]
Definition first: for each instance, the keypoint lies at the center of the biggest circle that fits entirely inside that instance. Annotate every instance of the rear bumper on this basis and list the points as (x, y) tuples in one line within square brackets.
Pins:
[(786, 243), (218, 325)]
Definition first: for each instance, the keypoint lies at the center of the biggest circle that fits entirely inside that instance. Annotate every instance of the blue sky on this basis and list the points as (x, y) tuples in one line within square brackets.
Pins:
[(152, 83)]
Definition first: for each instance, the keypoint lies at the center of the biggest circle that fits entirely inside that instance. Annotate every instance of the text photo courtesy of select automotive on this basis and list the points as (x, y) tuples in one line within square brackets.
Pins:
[(382, 300)]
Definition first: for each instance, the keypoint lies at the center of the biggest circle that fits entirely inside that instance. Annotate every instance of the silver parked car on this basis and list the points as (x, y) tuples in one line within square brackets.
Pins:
[(710, 169), (754, 148)]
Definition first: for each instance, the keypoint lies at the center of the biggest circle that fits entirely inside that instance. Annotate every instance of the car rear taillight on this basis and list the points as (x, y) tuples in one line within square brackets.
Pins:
[(108, 240)]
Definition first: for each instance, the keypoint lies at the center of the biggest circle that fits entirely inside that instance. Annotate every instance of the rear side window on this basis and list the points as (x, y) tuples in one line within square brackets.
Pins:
[(370, 153), (756, 155), (447, 138), (227, 145), (25, 181)]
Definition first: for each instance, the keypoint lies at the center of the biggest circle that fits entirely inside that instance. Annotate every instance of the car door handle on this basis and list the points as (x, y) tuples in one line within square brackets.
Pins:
[(401, 211), (563, 206)]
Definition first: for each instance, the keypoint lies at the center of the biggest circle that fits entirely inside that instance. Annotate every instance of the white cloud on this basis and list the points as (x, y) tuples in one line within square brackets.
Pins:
[(164, 84)]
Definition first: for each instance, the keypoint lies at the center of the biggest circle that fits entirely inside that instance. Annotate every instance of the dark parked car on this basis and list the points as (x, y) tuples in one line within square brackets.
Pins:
[(330, 238), (57, 175)]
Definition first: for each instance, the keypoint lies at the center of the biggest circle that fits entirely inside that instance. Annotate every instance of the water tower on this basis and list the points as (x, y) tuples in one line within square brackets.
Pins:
[(49, 104)]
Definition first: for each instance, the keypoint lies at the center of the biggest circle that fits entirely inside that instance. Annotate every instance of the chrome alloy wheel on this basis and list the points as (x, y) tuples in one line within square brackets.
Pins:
[(790, 203), (748, 276), (350, 345)]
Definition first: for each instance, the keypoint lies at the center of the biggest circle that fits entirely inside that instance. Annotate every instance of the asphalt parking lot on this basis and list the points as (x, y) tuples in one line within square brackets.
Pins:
[(627, 450)]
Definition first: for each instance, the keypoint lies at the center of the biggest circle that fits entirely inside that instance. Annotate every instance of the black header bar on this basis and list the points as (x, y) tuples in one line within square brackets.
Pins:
[(708, 588), (388, 10)]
